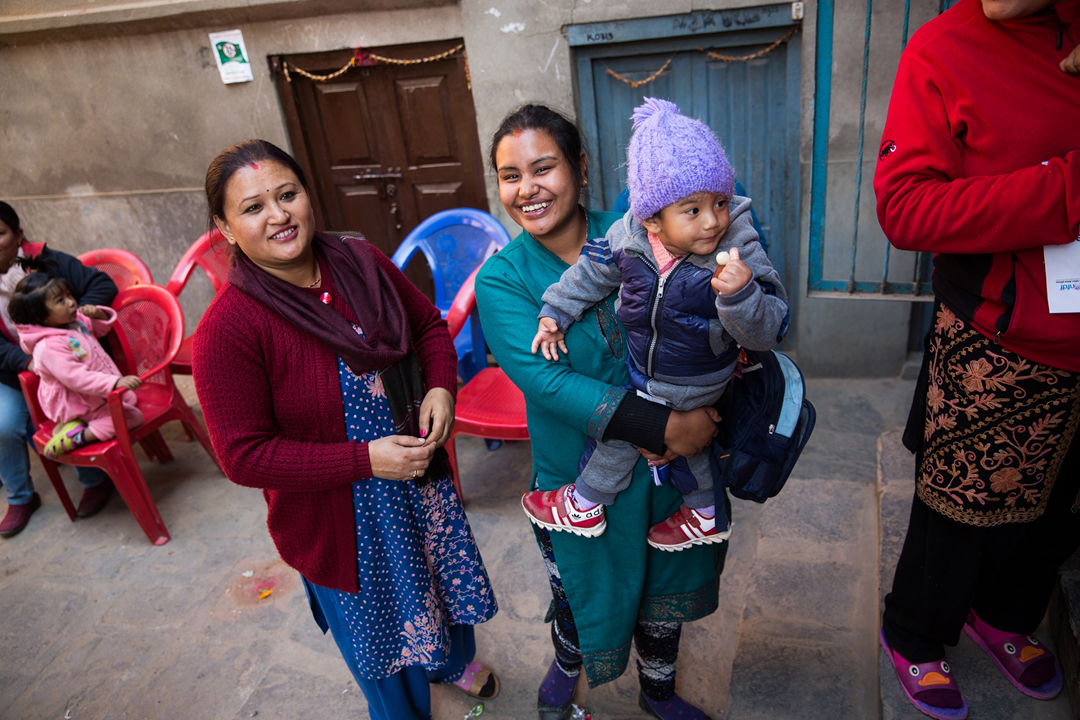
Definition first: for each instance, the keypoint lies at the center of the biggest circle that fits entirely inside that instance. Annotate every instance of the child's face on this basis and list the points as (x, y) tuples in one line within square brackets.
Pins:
[(61, 306), (694, 224)]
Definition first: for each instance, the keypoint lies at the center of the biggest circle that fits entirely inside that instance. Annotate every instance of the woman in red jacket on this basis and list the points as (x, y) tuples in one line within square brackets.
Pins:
[(328, 380), (980, 165)]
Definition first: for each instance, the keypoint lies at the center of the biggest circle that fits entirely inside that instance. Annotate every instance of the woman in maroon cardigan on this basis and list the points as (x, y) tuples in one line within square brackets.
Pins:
[(328, 380)]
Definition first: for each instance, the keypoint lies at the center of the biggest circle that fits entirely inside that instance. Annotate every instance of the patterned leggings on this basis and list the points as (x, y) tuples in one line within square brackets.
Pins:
[(657, 642)]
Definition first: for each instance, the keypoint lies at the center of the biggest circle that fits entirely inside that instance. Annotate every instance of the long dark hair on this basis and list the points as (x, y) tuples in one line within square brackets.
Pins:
[(9, 217), (27, 304), (566, 134), (231, 159)]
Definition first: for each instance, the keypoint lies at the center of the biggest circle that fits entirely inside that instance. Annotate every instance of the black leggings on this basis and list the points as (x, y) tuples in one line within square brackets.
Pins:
[(1005, 573), (657, 642)]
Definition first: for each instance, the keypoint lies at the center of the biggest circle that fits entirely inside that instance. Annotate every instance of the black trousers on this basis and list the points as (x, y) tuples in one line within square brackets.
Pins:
[(1005, 573)]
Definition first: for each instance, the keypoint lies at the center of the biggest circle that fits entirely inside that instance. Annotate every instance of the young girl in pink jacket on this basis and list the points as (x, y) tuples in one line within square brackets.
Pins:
[(76, 373)]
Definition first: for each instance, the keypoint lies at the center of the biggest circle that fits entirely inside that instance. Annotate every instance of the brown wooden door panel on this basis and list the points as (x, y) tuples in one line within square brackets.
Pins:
[(345, 124), (431, 198), (387, 145), (363, 209), (424, 105)]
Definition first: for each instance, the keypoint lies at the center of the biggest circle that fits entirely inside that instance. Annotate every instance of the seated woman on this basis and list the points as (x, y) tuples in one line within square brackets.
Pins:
[(89, 287), (613, 588), (327, 380)]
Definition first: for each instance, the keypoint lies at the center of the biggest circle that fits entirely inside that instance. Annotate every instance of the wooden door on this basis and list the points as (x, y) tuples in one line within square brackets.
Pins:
[(385, 146)]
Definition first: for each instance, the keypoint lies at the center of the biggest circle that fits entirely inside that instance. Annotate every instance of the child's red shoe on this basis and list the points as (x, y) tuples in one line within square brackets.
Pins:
[(555, 510), (684, 529)]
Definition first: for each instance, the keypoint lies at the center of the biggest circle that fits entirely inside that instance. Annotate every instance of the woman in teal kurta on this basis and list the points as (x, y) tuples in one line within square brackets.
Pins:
[(617, 586)]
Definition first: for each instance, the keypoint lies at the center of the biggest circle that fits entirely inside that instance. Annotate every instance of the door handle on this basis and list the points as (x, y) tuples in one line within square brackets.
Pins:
[(392, 173), (379, 176), (395, 211)]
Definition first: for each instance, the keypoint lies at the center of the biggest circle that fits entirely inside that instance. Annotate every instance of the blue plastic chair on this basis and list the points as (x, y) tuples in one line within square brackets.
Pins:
[(454, 243)]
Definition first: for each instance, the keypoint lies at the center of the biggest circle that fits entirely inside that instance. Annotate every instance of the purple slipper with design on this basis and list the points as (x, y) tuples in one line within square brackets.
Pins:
[(674, 708), (929, 686), (1021, 658)]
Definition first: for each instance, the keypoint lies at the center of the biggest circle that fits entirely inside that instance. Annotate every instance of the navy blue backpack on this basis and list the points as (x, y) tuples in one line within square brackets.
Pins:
[(765, 423)]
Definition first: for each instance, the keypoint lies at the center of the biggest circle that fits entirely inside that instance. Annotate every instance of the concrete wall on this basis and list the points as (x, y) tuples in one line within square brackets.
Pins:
[(106, 140), (106, 135)]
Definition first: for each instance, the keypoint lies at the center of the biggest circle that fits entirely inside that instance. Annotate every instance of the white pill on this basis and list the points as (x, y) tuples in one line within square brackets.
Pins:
[(723, 257)]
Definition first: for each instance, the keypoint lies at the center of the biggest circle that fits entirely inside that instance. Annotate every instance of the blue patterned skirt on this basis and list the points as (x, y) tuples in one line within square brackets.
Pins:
[(419, 568)]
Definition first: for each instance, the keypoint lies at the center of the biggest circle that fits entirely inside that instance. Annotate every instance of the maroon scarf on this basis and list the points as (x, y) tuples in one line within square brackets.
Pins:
[(387, 341)]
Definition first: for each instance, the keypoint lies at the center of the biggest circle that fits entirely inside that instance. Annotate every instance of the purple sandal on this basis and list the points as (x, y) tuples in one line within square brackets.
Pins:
[(1016, 655), (927, 683)]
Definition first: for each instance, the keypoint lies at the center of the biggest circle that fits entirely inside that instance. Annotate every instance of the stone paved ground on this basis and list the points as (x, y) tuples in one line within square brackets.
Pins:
[(98, 624)]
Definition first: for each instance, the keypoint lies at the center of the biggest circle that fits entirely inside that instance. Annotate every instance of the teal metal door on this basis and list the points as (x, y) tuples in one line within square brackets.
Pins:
[(752, 105)]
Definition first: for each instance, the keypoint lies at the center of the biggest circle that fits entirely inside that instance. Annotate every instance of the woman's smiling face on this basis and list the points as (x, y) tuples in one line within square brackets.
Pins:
[(268, 214), (538, 185)]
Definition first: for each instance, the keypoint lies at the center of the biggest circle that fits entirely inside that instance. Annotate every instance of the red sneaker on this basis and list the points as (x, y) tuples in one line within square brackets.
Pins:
[(554, 510), (686, 528)]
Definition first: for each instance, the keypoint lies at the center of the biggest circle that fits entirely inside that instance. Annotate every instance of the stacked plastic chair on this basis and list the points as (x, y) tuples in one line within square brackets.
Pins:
[(455, 243), (489, 405), (210, 253), (124, 268)]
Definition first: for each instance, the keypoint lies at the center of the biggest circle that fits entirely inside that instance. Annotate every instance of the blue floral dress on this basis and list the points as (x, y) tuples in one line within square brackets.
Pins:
[(419, 568)]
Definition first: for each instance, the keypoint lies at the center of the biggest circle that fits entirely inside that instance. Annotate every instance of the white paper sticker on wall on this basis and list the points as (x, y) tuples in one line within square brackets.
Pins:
[(231, 56), (1063, 277)]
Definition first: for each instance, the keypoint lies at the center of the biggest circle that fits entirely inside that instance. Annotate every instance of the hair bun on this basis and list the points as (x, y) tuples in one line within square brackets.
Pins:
[(35, 263), (652, 106)]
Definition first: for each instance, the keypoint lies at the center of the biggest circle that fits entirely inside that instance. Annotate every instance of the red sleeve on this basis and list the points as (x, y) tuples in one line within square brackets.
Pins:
[(431, 338), (236, 390), (924, 204)]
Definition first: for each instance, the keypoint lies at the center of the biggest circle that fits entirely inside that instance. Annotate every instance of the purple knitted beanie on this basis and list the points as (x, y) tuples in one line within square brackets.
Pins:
[(672, 156)]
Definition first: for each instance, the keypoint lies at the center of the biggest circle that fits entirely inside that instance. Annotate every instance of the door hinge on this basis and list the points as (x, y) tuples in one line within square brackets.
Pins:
[(797, 11)]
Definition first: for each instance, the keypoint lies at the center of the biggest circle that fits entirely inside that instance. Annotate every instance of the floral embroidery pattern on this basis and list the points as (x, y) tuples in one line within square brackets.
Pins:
[(373, 383), (610, 329), (997, 427)]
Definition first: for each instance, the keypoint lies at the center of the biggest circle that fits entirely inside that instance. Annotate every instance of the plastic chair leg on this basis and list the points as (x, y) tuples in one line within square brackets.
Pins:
[(451, 451), (160, 449), (129, 482), (195, 429), (53, 471)]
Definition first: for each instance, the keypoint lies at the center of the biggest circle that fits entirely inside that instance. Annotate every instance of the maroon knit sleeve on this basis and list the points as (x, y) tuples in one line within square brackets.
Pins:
[(431, 338), (237, 387)]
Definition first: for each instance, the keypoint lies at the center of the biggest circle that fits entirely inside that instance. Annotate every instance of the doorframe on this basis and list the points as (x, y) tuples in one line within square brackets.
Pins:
[(331, 61)]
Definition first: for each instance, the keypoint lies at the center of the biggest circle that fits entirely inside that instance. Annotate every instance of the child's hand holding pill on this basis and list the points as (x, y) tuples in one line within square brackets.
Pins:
[(731, 274)]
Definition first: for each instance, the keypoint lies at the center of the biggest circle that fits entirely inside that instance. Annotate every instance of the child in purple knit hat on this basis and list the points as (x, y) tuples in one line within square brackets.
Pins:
[(685, 307)]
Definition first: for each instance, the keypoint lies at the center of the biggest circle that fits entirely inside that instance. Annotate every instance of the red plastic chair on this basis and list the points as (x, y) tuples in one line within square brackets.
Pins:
[(211, 253), (150, 330), (125, 268), (489, 406)]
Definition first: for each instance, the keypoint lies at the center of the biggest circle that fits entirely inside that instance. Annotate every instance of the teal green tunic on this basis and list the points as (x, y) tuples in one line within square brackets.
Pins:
[(614, 579)]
